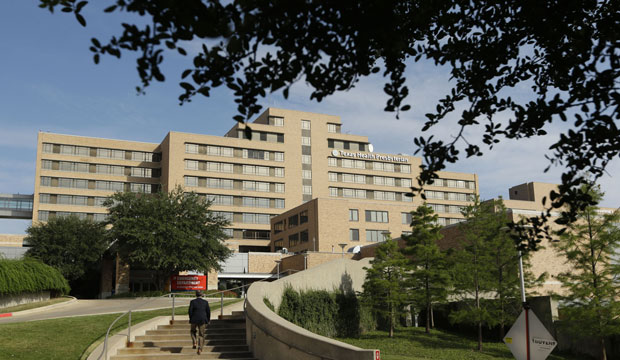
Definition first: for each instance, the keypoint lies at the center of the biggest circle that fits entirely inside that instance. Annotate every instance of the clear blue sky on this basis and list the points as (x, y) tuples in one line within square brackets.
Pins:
[(49, 82)]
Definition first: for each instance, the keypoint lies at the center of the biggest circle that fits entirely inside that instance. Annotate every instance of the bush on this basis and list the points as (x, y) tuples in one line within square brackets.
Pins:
[(30, 276), (332, 314)]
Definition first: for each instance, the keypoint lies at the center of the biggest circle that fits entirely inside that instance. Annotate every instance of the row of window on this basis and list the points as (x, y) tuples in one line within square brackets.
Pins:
[(459, 184), (441, 195), (371, 235), (45, 215), (369, 194), (369, 165), (229, 184), (224, 151), (291, 222), (298, 238), (369, 179), (72, 200), (347, 145), (440, 208), (98, 185), (248, 201), (101, 152), (234, 168), (100, 169), (247, 234), (261, 136), (247, 218)]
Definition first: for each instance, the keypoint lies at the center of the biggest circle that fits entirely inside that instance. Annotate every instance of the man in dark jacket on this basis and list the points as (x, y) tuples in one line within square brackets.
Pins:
[(199, 316)]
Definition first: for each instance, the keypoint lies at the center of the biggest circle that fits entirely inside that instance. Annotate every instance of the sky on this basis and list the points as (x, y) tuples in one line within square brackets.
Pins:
[(48, 82)]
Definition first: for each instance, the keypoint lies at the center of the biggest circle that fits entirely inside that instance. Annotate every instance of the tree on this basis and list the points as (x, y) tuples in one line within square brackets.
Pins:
[(591, 247), (428, 276), (383, 290), (68, 243), (565, 51), (167, 232)]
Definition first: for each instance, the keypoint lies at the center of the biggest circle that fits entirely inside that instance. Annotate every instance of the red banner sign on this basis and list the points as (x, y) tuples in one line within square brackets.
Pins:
[(189, 282), (377, 355)]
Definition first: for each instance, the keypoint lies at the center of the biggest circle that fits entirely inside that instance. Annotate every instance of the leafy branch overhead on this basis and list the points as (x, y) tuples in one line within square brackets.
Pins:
[(565, 51)]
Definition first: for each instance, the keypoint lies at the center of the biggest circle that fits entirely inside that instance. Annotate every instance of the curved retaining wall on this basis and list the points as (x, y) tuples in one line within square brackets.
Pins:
[(270, 337)]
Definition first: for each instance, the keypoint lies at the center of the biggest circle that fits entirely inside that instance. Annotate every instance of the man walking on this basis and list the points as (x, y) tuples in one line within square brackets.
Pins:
[(199, 316)]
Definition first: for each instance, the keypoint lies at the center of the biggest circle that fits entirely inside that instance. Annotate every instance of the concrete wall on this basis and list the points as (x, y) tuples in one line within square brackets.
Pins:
[(25, 298), (270, 337)]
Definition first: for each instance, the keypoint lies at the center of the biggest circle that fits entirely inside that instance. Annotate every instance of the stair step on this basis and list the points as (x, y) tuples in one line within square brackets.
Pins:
[(187, 331), (183, 349), (187, 342), (236, 356), (187, 335)]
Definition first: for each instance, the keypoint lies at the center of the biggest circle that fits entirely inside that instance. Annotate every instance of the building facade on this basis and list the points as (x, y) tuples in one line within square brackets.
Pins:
[(291, 158)]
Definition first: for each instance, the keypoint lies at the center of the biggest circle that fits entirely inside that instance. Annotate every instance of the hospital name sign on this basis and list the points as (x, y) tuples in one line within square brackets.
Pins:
[(370, 156)]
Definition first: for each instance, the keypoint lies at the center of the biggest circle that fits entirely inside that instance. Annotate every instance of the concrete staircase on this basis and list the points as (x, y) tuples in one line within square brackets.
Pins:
[(225, 340)]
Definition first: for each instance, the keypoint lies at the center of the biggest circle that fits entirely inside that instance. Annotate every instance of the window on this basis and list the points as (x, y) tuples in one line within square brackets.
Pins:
[(353, 215), (293, 240), (226, 152), (225, 215), (305, 141), (46, 181), (406, 218), (405, 182), (376, 235), (354, 235), (333, 128), (303, 217), (100, 217), (44, 198), (191, 181), (191, 148), (305, 124), (279, 156), (333, 162), (278, 227), (279, 188), (48, 148), (279, 203), (279, 172), (255, 154), (250, 218), (46, 164), (228, 232), (377, 216), (191, 164), (293, 221), (405, 169), (306, 159), (333, 191), (276, 121), (307, 190), (44, 215), (333, 176), (303, 236), (306, 174)]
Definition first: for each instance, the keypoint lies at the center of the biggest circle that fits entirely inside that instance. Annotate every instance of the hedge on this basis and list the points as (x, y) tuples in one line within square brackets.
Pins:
[(331, 314), (30, 276)]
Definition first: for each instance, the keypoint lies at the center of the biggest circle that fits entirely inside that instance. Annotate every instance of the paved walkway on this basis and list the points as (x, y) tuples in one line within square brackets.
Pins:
[(111, 306)]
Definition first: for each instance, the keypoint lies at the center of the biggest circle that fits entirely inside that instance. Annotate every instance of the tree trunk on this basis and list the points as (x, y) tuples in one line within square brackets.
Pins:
[(391, 321), (432, 317), (429, 309), (603, 351)]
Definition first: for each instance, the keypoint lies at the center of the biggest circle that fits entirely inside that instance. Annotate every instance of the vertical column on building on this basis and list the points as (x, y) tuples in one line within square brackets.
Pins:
[(306, 166)]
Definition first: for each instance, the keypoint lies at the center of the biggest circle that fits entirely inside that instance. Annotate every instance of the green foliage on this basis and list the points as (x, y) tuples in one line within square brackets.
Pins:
[(428, 277), (71, 245), (383, 286), (29, 276), (269, 304), (322, 312), (167, 232), (591, 247)]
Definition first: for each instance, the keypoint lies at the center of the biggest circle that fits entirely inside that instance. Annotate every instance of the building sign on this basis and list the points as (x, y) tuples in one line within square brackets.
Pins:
[(189, 282), (528, 334), (361, 155)]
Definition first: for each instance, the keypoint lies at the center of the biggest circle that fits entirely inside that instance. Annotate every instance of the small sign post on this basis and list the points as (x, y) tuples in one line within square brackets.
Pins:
[(528, 339)]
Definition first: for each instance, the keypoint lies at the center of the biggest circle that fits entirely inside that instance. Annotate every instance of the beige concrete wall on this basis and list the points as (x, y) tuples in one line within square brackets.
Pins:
[(12, 240), (263, 262), (271, 337)]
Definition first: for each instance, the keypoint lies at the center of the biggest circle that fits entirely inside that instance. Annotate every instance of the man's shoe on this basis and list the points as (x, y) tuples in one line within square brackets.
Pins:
[(194, 346), (199, 351)]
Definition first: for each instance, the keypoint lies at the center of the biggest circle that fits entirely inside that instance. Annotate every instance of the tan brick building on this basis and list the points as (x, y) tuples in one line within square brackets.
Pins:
[(293, 157)]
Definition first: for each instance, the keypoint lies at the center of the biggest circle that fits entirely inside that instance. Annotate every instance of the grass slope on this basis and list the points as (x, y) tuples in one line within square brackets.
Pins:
[(33, 305), (67, 338), (414, 344)]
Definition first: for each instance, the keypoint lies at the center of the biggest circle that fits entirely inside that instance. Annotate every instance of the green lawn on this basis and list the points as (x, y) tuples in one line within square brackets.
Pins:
[(413, 343), (33, 305), (67, 338)]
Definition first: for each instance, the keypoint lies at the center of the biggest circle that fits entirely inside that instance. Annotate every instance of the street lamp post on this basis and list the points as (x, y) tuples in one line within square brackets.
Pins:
[(342, 245)]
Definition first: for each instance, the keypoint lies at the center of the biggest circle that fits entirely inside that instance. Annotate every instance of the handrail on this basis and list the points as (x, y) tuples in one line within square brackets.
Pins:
[(104, 351)]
